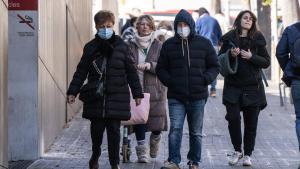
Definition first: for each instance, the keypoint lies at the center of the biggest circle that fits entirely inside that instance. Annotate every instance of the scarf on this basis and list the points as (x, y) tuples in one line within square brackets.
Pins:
[(145, 41)]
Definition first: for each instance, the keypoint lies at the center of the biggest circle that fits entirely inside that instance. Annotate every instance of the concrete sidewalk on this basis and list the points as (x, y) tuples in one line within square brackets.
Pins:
[(276, 142)]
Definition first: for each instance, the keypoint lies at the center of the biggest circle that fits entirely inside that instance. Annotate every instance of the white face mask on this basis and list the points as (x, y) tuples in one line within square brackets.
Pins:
[(183, 31)]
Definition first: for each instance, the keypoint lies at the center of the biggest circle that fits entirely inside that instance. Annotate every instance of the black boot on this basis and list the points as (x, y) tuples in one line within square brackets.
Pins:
[(93, 163), (115, 167)]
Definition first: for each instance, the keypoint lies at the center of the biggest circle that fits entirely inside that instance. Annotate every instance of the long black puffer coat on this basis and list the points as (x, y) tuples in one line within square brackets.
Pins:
[(120, 71), (245, 87)]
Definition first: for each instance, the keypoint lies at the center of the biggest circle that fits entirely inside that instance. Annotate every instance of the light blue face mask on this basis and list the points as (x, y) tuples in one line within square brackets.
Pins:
[(105, 33), (184, 32)]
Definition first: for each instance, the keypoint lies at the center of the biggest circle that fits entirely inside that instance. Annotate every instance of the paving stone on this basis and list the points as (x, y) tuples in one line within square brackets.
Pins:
[(276, 142)]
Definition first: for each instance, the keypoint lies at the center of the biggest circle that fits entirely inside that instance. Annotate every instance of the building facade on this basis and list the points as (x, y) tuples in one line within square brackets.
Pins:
[(37, 82), (3, 82)]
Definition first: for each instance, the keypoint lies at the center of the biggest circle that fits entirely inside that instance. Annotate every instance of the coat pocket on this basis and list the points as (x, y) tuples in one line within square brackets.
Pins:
[(231, 95), (250, 98)]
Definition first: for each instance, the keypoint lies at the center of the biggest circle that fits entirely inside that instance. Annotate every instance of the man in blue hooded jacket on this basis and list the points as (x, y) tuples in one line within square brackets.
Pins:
[(209, 27), (288, 55), (187, 65)]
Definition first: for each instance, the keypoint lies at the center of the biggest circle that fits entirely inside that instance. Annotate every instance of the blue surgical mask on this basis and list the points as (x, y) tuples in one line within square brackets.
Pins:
[(183, 31), (105, 33)]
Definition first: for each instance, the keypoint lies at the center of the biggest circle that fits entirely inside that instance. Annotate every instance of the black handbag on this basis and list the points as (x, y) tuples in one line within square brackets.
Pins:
[(94, 91)]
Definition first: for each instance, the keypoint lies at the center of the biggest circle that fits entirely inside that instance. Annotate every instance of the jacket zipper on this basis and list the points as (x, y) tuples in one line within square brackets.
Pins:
[(188, 69), (104, 96), (188, 56), (256, 75)]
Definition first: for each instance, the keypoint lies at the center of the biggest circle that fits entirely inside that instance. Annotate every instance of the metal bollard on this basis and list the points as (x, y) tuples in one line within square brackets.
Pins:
[(126, 146)]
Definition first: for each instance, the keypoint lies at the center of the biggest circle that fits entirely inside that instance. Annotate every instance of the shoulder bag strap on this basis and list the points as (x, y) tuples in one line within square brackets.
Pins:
[(100, 72)]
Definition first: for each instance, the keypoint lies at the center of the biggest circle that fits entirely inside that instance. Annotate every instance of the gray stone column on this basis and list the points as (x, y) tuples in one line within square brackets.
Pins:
[(3, 83), (23, 119)]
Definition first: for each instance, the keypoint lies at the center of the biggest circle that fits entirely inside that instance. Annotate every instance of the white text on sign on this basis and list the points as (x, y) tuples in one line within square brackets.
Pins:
[(14, 5)]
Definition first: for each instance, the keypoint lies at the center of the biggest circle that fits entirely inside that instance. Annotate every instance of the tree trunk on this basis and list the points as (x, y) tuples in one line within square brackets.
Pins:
[(247, 4), (298, 9), (153, 4), (264, 24), (216, 7), (290, 11)]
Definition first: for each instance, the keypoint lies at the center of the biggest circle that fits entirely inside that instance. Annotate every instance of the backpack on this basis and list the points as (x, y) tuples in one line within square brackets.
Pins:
[(295, 57)]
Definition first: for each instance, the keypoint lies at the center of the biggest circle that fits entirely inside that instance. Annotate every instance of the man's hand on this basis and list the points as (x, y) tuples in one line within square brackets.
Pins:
[(138, 101), (70, 99), (246, 55), (144, 66), (235, 52)]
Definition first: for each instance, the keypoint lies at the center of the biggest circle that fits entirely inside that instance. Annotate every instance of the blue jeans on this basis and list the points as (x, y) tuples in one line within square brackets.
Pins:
[(214, 83), (296, 99), (194, 111)]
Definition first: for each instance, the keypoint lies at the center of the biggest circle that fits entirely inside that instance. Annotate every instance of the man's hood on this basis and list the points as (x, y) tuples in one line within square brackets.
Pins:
[(185, 16)]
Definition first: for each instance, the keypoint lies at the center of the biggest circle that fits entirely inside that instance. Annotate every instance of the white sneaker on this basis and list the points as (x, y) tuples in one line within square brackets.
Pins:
[(247, 161), (234, 158)]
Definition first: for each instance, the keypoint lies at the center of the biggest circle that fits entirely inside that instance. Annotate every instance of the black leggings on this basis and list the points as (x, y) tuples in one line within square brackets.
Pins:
[(140, 131), (233, 117), (113, 138)]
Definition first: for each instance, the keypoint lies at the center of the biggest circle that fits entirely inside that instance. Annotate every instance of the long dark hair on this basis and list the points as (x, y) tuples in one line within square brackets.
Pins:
[(237, 24)]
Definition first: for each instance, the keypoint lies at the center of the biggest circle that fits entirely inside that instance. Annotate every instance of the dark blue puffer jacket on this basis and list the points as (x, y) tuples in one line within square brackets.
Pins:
[(187, 66), (284, 53)]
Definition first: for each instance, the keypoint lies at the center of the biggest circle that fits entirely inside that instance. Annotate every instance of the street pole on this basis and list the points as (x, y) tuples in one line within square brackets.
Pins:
[(153, 4), (275, 71)]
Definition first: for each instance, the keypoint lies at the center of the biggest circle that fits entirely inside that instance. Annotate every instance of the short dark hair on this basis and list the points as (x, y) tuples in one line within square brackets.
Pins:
[(103, 16), (133, 20), (166, 25), (202, 11)]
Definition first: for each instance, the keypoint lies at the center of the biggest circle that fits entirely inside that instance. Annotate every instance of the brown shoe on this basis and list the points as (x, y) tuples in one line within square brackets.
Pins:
[(170, 165), (93, 163), (115, 167), (213, 93), (192, 165)]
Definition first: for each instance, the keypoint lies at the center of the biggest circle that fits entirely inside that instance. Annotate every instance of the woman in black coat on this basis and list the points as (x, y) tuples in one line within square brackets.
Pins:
[(244, 90), (106, 112)]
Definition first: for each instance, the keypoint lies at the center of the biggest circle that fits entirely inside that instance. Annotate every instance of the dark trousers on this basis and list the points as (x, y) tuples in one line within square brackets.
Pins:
[(113, 138), (233, 117), (140, 131)]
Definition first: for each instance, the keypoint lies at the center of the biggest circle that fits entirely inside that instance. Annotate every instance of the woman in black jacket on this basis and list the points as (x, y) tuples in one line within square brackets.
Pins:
[(243, 90), (118, 73)]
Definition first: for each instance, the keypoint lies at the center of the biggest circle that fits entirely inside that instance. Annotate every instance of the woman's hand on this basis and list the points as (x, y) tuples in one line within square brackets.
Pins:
[(70, 99), (235, 52), (144, 66), (246, 54), (138, 101)]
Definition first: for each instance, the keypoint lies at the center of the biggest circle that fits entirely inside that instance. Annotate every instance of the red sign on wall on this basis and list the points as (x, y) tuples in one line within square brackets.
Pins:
[(24, 5)]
